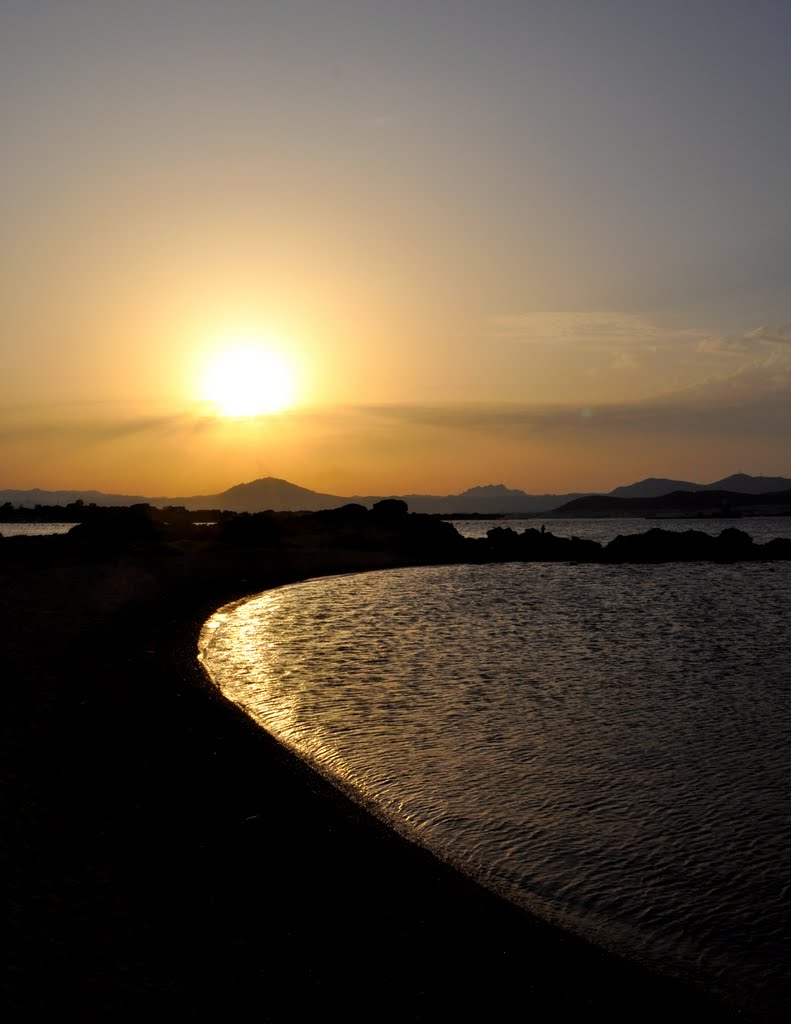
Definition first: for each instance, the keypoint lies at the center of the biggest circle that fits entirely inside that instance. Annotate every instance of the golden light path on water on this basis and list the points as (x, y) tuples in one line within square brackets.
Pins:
[(605, 744)]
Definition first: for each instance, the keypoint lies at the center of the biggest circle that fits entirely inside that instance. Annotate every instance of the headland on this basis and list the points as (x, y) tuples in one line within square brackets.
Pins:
[(164, 856)]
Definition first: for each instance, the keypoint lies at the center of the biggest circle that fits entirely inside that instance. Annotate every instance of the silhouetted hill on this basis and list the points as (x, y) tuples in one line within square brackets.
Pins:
[(260, 495), (491, 491), (36, 496), (745, 484), (271, 493), (655, 487), (682, 503), (489, 500)]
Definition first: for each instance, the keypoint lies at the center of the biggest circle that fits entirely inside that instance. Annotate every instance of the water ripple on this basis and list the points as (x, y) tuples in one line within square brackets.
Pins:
[(606, 744)]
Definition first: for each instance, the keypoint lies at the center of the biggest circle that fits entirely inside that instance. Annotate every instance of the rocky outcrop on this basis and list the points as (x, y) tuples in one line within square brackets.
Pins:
[(395, 534), (650, 547)]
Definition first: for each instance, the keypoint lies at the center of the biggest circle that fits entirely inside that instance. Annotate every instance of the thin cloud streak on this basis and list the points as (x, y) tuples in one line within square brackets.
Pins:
[(754, 400), (100, 430), (611, 331), (754, 397), (748, 405), (777, 334), (760, 339)]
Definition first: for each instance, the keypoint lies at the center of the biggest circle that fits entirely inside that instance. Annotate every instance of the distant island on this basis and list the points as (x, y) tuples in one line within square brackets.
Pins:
[(653, 496), (680, 504)]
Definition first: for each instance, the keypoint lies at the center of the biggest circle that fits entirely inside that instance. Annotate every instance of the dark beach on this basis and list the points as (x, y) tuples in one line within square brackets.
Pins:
[(163, 856)]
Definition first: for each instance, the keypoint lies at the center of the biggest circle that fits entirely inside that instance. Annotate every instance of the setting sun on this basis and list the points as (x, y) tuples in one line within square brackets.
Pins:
[(248, 380)]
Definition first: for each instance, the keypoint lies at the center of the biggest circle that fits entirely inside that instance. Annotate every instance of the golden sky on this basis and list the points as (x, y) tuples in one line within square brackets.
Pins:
[(544, 244)]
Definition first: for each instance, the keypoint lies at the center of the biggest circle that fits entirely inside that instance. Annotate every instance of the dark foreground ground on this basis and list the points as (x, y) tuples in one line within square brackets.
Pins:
[(164, 857)]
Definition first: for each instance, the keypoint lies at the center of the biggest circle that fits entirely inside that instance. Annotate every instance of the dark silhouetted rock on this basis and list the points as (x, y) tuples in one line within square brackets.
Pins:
[(690, 546), (661, 546), (137, 523), (351, 512), (534, 546), (778, 549), (735, 545), (390, 507)]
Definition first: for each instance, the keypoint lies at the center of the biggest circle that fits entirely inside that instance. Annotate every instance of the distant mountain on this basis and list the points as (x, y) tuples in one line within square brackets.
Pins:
[(494, 499), (683, 503), (490, 499), (491, 491), (745, 484), (282, 496), (261, 495), (655, 487), (35, 496)]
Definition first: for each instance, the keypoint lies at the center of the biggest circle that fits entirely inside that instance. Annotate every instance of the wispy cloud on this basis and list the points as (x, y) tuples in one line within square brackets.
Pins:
[(580, 329), (592, 331), (621, 341), (99, 429), (725, 345), (615, 340), (625, 361), (745, 393), (752, 342), (753, 399), (773, 334)]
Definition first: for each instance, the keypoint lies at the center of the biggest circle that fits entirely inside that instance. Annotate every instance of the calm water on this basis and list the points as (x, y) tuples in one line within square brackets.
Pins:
[(33, 529), (607, 745)]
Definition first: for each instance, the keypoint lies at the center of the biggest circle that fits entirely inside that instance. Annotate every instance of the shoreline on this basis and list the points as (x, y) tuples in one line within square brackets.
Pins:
[(168, 855)]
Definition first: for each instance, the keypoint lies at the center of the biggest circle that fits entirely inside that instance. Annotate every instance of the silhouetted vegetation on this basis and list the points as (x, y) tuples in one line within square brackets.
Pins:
[(80, 512)]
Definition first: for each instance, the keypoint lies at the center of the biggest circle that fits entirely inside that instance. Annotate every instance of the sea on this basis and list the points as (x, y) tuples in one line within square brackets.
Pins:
[(604, 745), (33, 529)]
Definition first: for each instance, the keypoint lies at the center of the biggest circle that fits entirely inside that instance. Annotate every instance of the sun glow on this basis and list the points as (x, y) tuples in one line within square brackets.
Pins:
[(248, 380)]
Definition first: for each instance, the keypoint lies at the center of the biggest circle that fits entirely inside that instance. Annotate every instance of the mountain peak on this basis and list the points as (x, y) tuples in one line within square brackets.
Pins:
[(264, 483), (653, 487), (280, 495), (489, 491)]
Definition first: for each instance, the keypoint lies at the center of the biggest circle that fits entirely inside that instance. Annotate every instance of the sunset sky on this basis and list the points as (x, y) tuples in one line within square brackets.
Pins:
[(540, 243)]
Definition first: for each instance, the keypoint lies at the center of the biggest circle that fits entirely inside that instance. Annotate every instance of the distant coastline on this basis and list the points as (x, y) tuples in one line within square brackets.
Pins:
[(272, 494)]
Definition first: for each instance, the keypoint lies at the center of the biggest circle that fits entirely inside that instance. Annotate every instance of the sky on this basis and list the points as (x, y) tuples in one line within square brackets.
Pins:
[(546, 244)]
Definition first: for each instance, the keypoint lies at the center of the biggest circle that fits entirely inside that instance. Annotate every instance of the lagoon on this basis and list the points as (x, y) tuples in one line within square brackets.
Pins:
[(604, 745)]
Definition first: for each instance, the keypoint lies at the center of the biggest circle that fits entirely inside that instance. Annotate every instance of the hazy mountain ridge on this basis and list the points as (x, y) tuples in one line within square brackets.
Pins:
[(653, 487), (742, 483), (37, 496), (703, 501), (489, 499), (267, 493)]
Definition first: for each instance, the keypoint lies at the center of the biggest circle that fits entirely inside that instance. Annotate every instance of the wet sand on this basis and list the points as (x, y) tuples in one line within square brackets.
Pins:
[(164, 856)]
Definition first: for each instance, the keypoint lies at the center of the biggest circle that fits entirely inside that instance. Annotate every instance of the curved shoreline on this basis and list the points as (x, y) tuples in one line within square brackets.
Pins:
[(167, 855), (349, 767)]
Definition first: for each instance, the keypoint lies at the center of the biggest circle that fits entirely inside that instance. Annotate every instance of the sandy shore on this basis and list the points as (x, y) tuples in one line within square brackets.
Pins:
[(164, 856)]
